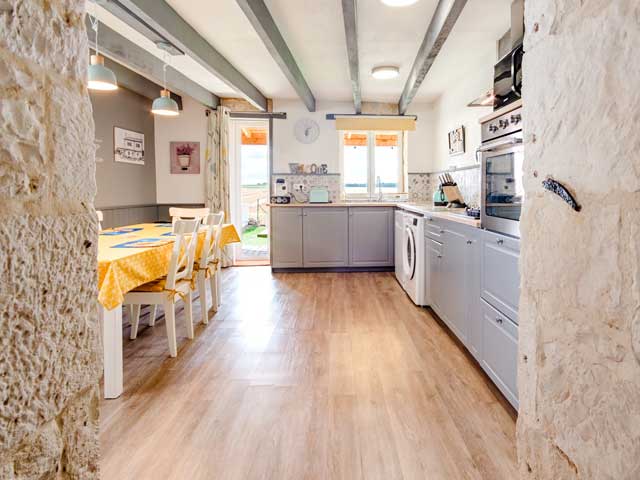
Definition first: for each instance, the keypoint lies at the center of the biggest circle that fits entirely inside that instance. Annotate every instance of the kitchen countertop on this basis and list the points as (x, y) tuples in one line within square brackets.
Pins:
[(440, 212), (421, 208), (335, 204)]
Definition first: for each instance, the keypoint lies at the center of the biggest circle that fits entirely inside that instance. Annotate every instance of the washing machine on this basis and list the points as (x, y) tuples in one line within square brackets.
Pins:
[(410, 257)]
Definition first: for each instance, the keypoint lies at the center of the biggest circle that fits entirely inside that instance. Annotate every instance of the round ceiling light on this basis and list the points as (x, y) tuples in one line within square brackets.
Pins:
[(399, 3), (385, 72)]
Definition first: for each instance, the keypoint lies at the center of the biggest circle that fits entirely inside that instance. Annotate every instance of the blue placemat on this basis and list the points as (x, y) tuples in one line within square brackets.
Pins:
[(142, 243), (168, 234), (163, 225), (120, 231)]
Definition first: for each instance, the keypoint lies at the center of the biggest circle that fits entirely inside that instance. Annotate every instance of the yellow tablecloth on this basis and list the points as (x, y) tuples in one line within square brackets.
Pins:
[(120, 270)]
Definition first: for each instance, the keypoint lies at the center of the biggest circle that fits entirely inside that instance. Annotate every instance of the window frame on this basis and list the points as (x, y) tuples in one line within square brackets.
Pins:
[(371, 162)]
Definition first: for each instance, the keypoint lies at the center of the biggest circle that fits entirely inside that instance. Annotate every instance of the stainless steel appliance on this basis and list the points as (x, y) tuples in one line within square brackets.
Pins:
[(507, 78), (502, 176)]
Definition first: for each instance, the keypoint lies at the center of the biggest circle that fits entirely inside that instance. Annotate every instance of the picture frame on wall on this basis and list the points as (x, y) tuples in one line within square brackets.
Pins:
[(128, 146), (185, 158), (457, 141)]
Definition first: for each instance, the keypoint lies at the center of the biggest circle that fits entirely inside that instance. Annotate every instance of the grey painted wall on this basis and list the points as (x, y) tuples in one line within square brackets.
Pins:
[(123, 184)]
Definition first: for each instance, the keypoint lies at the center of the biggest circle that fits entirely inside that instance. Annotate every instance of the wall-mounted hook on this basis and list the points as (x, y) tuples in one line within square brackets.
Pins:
[(560, 190)]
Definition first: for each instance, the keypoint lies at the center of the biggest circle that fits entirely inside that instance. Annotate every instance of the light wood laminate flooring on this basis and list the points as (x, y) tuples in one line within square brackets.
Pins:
[(306, 376)]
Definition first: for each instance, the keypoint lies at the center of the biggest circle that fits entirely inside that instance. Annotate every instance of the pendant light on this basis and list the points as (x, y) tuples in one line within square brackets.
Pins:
[(164, 104), (100, 77)]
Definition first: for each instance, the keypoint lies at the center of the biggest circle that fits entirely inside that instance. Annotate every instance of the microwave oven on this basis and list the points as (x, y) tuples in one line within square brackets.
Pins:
[(507, 78)]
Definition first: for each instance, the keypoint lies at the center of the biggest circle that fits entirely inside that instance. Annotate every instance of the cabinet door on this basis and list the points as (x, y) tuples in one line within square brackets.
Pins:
[(286, 237), (500, 351), (434, 281), (453, 278), (500, 273), (472, 293), (371, 237), (325, 237)]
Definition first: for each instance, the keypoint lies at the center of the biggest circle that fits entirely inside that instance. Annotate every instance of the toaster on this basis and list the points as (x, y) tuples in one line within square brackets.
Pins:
[(319, 195)]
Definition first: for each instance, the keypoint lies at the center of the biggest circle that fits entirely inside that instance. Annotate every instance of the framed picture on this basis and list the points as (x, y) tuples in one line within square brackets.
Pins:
[(456, 141), (128, 146), (185, 157)]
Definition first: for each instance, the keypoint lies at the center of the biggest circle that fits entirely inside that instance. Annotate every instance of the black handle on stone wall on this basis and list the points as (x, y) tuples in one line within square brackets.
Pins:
[(560, 190)]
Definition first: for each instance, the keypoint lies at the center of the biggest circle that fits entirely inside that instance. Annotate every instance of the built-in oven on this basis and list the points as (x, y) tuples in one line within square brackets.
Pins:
[(507, 78), (502, 194)]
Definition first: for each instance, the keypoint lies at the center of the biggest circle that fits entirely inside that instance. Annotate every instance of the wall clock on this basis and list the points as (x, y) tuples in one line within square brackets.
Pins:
[(306, 130)]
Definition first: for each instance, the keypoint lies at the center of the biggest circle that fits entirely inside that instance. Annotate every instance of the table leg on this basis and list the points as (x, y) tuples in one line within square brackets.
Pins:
[(112, 348)]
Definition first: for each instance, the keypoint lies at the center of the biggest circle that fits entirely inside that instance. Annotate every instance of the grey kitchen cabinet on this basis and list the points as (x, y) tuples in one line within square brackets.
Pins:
[(500, 273), (371, 236), (500, 351), (286, 237), (472, 291), (453, 277), (325, 234), (435, 292)]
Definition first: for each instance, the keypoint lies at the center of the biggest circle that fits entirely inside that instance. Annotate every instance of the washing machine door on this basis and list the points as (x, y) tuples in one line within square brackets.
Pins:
[(409, 253)]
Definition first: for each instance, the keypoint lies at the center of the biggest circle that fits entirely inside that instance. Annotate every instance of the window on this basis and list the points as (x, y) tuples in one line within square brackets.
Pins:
[(372, 162)]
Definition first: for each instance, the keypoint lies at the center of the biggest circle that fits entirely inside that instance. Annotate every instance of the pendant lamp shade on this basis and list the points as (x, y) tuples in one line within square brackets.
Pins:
[(165, 105), (100, 77)]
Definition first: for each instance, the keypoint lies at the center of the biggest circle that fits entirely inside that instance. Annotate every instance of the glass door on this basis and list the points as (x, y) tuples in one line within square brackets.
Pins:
[(250, 189)]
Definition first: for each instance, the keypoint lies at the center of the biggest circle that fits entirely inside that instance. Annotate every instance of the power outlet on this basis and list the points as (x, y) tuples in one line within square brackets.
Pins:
[(298, 187)]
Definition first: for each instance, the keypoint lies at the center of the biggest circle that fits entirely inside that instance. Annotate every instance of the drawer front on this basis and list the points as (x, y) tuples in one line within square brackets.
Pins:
[(500, 351), (500, 280), (433, 228)]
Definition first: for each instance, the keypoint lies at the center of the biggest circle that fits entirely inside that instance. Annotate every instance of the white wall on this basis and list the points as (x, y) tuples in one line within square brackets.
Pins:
[(450, 111), (287, 149), (191, 126)]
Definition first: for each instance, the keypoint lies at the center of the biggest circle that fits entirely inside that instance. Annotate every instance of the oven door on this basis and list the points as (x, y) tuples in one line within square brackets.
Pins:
[(502, 185)]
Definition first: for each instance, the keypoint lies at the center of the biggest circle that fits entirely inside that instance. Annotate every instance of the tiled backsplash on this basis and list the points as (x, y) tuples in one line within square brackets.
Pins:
[(468, 181), (420, 189), (331, 181), (421, 185)]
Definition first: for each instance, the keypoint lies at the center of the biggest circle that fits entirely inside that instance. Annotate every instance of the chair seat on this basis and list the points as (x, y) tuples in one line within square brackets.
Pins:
[(158, 285)]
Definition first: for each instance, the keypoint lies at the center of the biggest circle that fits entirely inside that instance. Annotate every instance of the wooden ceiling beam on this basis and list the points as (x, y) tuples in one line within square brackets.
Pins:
[(442, 22), (260, 18), (157, 20), (349, 15)]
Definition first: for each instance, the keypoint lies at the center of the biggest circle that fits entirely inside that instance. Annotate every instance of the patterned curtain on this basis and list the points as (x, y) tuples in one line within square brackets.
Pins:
[(217, 161)]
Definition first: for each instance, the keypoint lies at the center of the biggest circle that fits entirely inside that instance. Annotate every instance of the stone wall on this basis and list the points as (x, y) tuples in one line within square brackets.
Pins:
[(579, 375), (49, 345)]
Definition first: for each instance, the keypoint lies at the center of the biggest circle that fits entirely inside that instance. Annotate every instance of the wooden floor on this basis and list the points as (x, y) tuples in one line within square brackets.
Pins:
[(306, 376)]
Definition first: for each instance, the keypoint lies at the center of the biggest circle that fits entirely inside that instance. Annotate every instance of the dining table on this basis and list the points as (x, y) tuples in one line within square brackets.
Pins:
[(128, 257)]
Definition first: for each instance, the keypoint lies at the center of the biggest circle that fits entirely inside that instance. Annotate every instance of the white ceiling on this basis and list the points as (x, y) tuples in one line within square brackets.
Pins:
[(314, 31)]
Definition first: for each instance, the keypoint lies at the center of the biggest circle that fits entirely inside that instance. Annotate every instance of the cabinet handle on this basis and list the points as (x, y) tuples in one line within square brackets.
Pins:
[(430, 219), (439, 256), (469, 242), (499, 241), (499, 320), (441, 231)]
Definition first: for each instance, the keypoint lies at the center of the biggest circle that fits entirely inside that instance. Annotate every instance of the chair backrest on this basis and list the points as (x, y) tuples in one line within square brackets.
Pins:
[(177, 213), (100, 219), (184, 251), (209, 251)]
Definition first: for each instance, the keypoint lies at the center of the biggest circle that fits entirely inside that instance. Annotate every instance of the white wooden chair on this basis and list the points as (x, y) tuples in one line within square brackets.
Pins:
[(177, 213), (167, 290), (100, 219), (207, 266)]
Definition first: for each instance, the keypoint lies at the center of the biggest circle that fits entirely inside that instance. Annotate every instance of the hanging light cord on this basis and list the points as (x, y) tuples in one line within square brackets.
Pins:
[(94, 26), (164, 69)]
